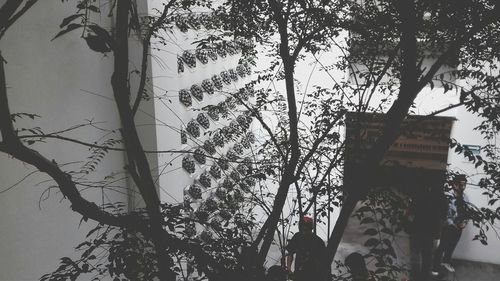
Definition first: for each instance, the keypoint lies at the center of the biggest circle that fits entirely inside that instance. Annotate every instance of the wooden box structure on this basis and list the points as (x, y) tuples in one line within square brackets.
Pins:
[(420, 152)]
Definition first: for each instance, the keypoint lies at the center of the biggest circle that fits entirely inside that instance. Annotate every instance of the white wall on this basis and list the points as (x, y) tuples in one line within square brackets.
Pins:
[(171, 115), (65, 83), (468, 249)]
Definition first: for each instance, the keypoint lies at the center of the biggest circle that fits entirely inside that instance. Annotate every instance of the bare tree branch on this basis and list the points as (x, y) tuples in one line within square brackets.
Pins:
[(288, 176), (146, 42), (316, 144), (7, 19)]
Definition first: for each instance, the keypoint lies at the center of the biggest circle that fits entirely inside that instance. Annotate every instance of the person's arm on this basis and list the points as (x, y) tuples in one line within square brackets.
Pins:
[(289, 261), (451, 213), (291, 248)]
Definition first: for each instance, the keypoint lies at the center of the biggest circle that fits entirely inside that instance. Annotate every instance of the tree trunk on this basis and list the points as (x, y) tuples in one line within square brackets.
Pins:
[(288, 176), (140, 165), (394, 118), (340, 226)]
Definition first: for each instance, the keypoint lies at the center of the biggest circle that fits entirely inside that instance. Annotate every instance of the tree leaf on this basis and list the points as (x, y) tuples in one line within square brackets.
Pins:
[(94, 9), (387, 230), (69, 19), (371, 242), (103, 33), (364, 209), (70, 27), (367, 220), (94, 230), (370, 231), (97, 43)]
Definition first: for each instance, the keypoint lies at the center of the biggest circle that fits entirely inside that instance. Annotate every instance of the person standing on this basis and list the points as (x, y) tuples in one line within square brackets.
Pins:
[(427, 207), (310, 254), (456, 221)]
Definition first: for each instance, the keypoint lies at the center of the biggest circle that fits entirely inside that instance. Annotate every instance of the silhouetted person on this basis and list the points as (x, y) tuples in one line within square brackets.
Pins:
[(250, 270), (310, 251), (427, 208), (276, 273), (357, 267)]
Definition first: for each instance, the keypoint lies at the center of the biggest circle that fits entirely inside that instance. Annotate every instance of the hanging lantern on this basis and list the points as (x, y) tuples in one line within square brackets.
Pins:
[(189, 59), (215, 171), (197, 92), (226, 77), (203, 120), (218, 139), (238, 149), (184, 137), (220, 193), (213, 112), (221, 51), (242, 169), (195, 191), (231, 155), (202, 56), (235, 127), (210, 204), (208, 86), (241, 70), (235, 176), (201, 215), (180, 65), (185, 98), (217, 80), (225, 214), (199, 156), (233, 75), (228, 184), (212, 54), (193, 128), (181, 24), (205, 180), (250, 90), (231, 48), (188, 164), (243, 122), (223, 163), (209, 147)]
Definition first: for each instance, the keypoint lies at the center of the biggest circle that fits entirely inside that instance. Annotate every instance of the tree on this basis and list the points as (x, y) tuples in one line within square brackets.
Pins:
[(391, 40), (306, 153)]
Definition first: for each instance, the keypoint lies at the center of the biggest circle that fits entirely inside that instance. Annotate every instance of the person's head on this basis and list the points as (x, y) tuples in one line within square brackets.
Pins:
[(306, 224), (276, 273), (356, 265), (459, 182)]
